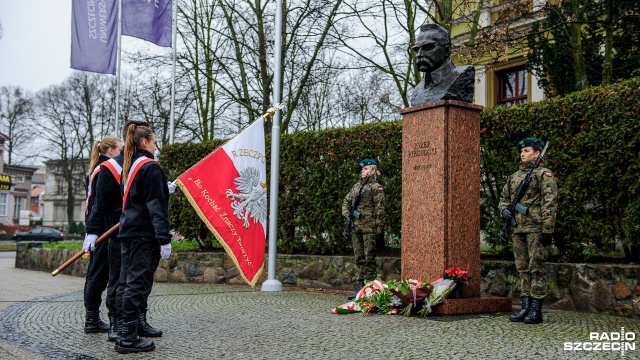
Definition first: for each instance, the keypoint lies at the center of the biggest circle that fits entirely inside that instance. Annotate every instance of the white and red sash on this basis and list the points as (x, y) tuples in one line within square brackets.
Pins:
[(114, 168), (132, 173), (90, 190)]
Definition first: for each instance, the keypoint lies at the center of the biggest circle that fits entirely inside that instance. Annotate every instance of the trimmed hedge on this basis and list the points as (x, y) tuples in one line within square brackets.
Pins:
[(594, 153), (317, 169)]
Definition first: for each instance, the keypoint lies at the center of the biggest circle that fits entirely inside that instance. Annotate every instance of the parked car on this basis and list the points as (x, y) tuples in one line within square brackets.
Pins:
[(41, 234)]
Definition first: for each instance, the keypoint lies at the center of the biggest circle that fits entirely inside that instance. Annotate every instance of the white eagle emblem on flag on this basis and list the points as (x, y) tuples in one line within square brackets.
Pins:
[(251, 200)]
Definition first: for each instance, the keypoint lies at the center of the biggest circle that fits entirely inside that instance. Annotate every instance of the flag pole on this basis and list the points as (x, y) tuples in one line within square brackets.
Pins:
[(173, 73), (115, 127), (272, 284)]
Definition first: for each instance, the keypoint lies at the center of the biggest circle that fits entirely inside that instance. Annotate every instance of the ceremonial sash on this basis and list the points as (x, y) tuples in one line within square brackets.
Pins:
[(89, 190), (132, 173), (114, 168)]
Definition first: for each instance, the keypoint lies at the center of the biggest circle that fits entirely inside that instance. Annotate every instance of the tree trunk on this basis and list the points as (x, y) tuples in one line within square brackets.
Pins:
[(576, 48), (607, 65)]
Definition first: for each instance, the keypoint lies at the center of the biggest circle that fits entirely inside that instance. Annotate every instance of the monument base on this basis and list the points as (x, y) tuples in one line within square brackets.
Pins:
[(488, 304)]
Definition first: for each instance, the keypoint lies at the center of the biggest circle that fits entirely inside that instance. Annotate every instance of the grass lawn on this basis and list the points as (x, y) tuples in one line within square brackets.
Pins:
[(7, 247), (176, 246)]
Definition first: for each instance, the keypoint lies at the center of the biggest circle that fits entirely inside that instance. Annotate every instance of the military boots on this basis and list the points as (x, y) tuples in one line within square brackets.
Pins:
[(113, 327), (144, 329), (93, 324), (524, 310), (129, 341), (535, 313)]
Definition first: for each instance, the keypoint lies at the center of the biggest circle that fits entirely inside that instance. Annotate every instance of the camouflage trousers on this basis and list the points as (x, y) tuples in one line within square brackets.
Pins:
[(530, 256), (364, 250)]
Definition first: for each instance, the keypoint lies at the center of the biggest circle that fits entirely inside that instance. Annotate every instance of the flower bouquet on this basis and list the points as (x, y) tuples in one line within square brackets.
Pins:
[(405, 296), (373, 297), (441, 290), (459, 277), (412, 293)]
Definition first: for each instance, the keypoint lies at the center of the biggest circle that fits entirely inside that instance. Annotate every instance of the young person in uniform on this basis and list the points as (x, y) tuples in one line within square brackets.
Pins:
[(367, 199), (105, 213), (98, 270), (535, 225), (144, 232)]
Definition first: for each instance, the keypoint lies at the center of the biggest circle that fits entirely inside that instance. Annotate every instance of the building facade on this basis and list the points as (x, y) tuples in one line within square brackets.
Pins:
[(506, 82), (55, 202)]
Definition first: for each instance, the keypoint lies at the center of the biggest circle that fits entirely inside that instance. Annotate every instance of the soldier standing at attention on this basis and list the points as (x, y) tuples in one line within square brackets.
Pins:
[(536, 219), (363, 208)]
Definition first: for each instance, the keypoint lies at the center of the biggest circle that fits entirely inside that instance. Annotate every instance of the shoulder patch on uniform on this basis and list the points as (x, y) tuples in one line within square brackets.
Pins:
[(380, 188), (548, 173)]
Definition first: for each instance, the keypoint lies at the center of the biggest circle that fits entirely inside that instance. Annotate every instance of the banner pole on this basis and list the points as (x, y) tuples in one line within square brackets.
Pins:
[(173, 73), (119, 60), (272, 284)]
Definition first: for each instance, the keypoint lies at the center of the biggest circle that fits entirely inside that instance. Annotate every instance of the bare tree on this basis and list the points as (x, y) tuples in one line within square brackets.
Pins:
[(16, 107), (229, 51), (74, 114), (65, 138), (378, 36)]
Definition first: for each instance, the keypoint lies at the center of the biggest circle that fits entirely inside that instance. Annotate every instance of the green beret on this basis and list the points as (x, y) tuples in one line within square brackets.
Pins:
[(530, 142), (365, 162)]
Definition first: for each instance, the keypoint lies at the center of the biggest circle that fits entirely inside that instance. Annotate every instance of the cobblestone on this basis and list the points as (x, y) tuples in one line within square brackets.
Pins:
[(42, 318)]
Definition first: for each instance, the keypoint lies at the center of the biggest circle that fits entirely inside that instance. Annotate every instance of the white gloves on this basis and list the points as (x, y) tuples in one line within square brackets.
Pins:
[(89, 243), (165, 251), (172, 187)]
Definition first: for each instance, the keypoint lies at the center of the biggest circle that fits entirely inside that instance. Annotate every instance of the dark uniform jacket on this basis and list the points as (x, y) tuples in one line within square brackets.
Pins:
[(91, 198), (146, 208), (107, 206), (540, 199)]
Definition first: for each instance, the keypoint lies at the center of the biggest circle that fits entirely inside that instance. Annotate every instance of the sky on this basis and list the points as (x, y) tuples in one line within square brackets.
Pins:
[(35, 46)]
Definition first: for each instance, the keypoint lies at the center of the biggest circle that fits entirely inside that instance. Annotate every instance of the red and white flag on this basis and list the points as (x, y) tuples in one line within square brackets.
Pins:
[(228, 191)]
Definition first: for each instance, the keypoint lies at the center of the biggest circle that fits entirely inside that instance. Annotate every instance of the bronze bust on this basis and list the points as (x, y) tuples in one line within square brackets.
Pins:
[(442, 80)]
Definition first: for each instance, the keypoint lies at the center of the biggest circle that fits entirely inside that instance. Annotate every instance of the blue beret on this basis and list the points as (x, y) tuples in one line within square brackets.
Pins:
[(530, 142), (365, 162)]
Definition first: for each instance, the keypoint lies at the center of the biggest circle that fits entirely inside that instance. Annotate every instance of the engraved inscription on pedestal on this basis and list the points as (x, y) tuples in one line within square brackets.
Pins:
[(422, 151)]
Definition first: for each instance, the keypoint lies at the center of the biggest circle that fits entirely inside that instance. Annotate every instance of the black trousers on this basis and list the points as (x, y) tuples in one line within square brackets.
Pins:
[(140, 259), (97, 277), (114, 276)]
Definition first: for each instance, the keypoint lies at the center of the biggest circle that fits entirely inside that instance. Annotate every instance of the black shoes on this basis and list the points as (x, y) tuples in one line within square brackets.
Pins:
[(113, 328), (93, 324), (129, 342), (535, 312), (530, 313), (144, 329), (524, 310)]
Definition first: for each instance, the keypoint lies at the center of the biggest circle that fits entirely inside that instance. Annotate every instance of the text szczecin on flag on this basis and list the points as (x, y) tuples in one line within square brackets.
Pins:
[(148, 20), (228, 191), (94, 34)]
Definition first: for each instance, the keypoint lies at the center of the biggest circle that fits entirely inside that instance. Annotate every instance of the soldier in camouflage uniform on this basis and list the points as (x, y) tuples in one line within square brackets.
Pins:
[(533, 233), (368, 227)]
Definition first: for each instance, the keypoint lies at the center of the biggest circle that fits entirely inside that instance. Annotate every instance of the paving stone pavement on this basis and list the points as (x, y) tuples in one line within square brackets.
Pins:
[(41, 317)]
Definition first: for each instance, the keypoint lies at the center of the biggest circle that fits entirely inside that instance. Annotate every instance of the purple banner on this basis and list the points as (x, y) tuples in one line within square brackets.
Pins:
[(94, 35), (148, 20)]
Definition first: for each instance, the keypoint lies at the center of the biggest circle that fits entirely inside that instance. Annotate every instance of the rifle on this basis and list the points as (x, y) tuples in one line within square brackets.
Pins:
[(353, 213), (515, 203), (82, 252)]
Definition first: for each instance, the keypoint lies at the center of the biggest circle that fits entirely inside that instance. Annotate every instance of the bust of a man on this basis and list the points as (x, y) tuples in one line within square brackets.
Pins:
[(441, 79)]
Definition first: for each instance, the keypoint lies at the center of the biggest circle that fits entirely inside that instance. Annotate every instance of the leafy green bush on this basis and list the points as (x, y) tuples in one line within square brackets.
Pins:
[(594, 153)]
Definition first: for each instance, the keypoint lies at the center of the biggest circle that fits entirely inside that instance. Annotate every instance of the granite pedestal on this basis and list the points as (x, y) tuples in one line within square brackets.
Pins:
[(441, 199)]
